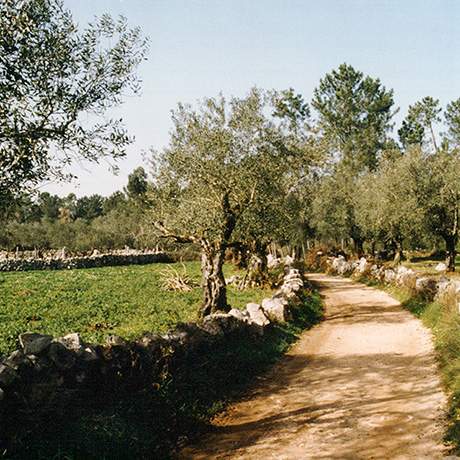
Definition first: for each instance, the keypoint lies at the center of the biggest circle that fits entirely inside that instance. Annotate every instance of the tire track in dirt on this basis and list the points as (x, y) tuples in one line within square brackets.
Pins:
[(363, 384)]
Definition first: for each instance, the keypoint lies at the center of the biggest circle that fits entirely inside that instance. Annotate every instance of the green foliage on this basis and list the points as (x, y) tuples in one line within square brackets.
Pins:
[(97, 302), (422, 116), (452, 119), (228, 159), (50, 75), (137, 184)]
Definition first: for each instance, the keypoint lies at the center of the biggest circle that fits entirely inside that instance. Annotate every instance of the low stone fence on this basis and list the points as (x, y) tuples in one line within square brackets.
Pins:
[(92, 261), (49, 374), (431, 288)]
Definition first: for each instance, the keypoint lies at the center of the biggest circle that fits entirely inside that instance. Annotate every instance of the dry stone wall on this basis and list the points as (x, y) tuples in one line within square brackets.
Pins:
[(91, 261), (430, 288)]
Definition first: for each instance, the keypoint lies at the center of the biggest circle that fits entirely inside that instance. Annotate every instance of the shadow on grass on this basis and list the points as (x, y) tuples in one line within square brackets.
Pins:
[(151, 423)]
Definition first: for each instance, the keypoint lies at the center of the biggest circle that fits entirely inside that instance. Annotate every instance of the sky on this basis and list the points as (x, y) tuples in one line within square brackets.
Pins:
[(199, 48)]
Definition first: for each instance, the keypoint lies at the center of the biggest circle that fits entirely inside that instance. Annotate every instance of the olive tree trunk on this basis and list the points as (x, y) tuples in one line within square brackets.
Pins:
[(451, 252), (258, 265), (451, 239), (213, 280), (399, 252)]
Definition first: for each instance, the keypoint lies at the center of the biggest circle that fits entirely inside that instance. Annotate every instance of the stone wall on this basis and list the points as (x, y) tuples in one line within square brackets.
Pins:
[(91, 261), (439, 288), (48, 375)]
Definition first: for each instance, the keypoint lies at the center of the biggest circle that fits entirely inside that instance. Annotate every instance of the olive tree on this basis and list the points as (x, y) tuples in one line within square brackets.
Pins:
[(217, 170), (56, 85), (386, 203)]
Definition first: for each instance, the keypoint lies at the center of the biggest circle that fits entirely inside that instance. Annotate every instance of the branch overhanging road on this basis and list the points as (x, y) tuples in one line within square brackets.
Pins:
[(363, 384)]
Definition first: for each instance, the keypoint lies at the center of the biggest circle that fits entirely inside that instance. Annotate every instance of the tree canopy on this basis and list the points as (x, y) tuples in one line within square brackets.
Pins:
[(57, 84)]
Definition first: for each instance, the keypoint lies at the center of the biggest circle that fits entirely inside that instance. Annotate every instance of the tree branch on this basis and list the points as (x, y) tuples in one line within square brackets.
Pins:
[(166, 233)]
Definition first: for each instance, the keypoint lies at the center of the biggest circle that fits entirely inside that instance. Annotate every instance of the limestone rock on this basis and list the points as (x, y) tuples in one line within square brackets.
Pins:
[(7, 376), (276, 309), (241, 315), (34, 344), (115, 340), (427, 287), (61, 356), (72, 342), (257, 315)]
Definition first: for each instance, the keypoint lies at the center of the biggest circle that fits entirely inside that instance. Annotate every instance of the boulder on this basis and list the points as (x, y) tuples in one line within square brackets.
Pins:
[(72, 342), (273, 262), (17, 360), (426, 287), (257, 315), (288, 260), (389, 276), (89, 354), (34, 344), (115, 341), (241, 315), (212, 326), (363, 266), (341, 266), (441, 267), (61, 356), (276, 309)]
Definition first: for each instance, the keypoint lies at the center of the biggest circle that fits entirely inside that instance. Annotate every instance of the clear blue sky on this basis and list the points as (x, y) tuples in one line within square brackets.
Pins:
[(201, 47)]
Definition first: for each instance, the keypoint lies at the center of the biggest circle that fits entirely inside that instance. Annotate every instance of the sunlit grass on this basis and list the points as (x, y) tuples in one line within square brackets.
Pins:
[(97, 302)]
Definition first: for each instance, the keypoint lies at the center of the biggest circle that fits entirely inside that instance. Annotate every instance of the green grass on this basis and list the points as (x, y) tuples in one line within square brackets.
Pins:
[(147, 424), (444, 322), (427, 264), (97, 302)]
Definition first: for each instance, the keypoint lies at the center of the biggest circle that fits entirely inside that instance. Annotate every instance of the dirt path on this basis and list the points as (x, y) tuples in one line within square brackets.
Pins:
[(361, 385)]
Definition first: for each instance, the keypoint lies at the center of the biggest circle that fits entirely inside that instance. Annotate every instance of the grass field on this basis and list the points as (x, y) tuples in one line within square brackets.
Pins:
[(427, 264), (97, 302)]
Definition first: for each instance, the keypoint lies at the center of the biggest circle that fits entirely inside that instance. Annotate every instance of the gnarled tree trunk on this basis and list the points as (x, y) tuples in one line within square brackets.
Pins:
[(451, 251), (258, 267), (214, 288), (399, 252)]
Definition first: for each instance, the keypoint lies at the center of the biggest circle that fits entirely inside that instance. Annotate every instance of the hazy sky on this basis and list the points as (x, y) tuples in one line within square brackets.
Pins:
[(201, 47)]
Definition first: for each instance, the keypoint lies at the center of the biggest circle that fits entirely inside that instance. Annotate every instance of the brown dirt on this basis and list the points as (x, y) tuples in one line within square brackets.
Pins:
[(361, 385)]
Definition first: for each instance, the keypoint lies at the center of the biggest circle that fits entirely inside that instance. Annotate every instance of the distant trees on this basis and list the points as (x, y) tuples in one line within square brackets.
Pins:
[(81, 224), (50, 75), (270, 169), (419, 124)]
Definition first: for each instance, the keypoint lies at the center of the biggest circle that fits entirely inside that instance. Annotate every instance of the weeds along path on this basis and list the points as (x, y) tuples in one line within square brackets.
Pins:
[(361, 385)]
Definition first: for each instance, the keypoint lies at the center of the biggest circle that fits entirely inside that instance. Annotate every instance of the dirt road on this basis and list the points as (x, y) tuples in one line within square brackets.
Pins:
[(361, 385)]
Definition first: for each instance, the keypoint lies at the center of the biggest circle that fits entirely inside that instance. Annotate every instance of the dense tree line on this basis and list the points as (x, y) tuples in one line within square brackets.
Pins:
[(46, 221)]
